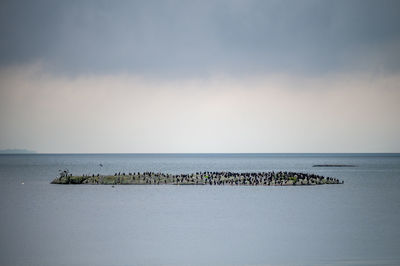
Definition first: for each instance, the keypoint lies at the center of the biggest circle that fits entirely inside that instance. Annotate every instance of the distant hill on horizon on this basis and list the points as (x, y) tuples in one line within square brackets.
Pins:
[(15, 151)]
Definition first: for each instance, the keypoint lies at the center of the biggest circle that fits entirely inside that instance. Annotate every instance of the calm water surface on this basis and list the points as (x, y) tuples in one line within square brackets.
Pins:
[(356, 223)]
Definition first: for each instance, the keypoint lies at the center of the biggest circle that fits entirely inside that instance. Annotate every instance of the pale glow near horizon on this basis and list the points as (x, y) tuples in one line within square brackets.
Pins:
[(124, 113)]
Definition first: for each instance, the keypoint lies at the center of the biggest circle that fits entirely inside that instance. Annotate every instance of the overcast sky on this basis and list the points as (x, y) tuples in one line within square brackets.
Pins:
[(200, 76)]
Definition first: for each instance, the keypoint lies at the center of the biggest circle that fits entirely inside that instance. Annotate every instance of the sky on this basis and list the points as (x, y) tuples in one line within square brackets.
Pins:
[(200, 76)]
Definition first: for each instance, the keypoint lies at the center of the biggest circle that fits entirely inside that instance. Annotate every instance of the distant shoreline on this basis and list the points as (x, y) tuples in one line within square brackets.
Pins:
[(17, 151)]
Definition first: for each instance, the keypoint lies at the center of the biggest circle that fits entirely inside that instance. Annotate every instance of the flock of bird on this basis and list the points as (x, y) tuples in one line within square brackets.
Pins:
[(204, 178)]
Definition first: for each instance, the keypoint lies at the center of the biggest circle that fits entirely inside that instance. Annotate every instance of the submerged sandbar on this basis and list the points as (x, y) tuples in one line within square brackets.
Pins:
[(334, 165), (200, 178)]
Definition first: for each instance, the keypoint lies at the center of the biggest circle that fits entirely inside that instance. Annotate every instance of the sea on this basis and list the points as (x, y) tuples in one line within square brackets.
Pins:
[(355, 223)]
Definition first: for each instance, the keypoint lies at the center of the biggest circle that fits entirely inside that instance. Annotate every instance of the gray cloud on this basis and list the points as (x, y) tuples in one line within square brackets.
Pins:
[(188, 38), (124, 113)]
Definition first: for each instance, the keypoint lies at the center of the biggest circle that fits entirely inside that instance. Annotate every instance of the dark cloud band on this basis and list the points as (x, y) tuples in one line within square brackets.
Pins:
[(186, 38)]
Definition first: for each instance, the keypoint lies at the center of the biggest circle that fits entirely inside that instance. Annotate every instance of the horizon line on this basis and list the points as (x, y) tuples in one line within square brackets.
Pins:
[(189, 153)]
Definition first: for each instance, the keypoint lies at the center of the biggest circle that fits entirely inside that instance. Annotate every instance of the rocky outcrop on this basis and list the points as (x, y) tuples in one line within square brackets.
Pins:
[(201, 178)]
